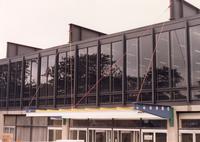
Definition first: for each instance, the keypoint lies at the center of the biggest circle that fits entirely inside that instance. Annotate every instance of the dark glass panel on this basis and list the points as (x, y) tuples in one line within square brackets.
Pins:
[(43, 77), (3, 80), (18, 79), (190, 123), (187, 137), (132, 63), (92, 68), (3, 84), (51, 77), (61, 74), (70, 73), (161, 137), (195, 94), (163, 95), (12, 80), (27, 78), (82, 59), (30, 83), (117, 66), (178, 54), (179, 95), (34, 75), (195, 55), (15, 83), (146, 52), (105, 67), (162, 60)]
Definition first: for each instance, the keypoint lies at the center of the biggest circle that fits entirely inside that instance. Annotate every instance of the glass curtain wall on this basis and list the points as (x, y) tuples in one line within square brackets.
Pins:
[(82, 72), (15, 84), (162, 66), (132, 68), (47, 80), (146, 51), (3, 84), (30, 83), (195, 61), (179, 63), (92, 72)]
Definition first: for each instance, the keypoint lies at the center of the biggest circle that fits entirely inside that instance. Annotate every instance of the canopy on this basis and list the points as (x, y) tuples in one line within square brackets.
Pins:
[(99, 114)]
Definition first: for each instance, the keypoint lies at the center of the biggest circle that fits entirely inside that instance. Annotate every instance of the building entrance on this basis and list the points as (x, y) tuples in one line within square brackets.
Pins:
[(105, 135)]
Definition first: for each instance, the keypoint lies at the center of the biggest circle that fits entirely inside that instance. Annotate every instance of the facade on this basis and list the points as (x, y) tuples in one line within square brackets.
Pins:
[(86, 89)]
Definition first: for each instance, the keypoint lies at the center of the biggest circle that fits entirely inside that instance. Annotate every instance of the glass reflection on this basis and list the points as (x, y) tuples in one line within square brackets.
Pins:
[(105, 67), (82, 54), (132, 63), (43, 77), (92, 68), (3, 81), (178, 53), (195, 55), (145, 58), (50, 72), (61, 74), (117, 66), (162, 60)]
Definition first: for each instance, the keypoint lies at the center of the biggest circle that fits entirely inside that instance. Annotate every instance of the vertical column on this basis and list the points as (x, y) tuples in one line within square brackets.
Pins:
[(124, 85), (65, 129), (187, 33), (55, 80), (154, 67), (172, 132), (23, 80), (98, 73)]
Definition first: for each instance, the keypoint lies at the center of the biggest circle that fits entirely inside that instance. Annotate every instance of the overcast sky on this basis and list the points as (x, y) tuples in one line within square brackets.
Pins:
[(44, 23)]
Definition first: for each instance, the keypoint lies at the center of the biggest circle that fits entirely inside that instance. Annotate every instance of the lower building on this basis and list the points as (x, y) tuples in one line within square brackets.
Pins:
[(120, 124)]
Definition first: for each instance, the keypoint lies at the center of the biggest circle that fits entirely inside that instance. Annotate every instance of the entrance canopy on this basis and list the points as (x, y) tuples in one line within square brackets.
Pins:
[(99, 114)]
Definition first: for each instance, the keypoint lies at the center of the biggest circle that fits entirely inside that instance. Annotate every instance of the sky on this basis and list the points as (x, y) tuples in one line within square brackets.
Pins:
[(44, 23)]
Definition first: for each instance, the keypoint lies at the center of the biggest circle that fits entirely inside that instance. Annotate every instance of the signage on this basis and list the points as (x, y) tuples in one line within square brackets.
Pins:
[(158, 110), (148, 137)]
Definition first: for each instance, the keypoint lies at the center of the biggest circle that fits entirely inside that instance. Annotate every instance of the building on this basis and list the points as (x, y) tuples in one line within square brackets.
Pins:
[(87, 88)]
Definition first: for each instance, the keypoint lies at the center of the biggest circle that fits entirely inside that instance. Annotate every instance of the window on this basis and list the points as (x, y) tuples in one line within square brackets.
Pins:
[(15, 83), (92, 68), (61, 74), (146, 51), (162, 65), (162, 60), (51, 77), (105, 67), (178, 53), (47, 79), (30, 86), (43, 77), (70, 72), (82, 69), (3, 84), (132, 64), (195, 55), (117, 66)]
